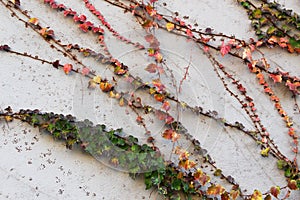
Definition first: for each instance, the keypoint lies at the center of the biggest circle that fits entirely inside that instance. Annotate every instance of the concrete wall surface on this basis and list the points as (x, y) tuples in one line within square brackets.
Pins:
[(34, 166)]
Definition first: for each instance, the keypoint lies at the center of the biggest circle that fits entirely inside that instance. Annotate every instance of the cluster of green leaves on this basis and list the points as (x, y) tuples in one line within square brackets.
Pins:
[(289, 171), (270, 20), (122, 151), (170, 183)]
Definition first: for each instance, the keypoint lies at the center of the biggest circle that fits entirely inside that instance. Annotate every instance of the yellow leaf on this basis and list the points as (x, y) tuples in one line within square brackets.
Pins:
[(265, 152), (34, 21), (170, 26), (92, 84), (8, 118), (97, 79), (15, 2), (121, 102), (256, 195), (112, 94), (152, 90)]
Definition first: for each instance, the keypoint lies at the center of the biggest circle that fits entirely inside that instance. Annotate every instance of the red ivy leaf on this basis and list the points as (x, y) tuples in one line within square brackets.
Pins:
[(151, 68), (166, 106), (85, 26), (160, 115), (241, 89), (85, 71), (139, 119), (69, 12), (81, 18), (224, 49), (159, 86), (189, 33), (292, 184), (275, 191), (152, 40), (234, 194), (293, 86), (169, 119), (68, 68)]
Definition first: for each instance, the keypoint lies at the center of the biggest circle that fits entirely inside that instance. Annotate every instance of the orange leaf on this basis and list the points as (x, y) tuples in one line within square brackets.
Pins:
[(215, 190), (105, 86), (277, 78), (234, 194), (273, 40), (186, 164), (171, 134), (159, 97)]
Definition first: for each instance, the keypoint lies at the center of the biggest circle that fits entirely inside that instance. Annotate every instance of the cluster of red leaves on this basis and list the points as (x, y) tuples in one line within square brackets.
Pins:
[(168, 119), (277, 78), (154, 51), (283, 42), (99, 15), (171, 134)]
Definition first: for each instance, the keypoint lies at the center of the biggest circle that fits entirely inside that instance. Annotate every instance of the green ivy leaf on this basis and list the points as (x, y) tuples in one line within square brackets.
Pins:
[(245, 5), (176, 184), (218, 172), (281, 164), (148, 183), (295, 43), (135, 148), (287, 173), (263, 20), (271, 30), (257, 13), (162, 190)]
